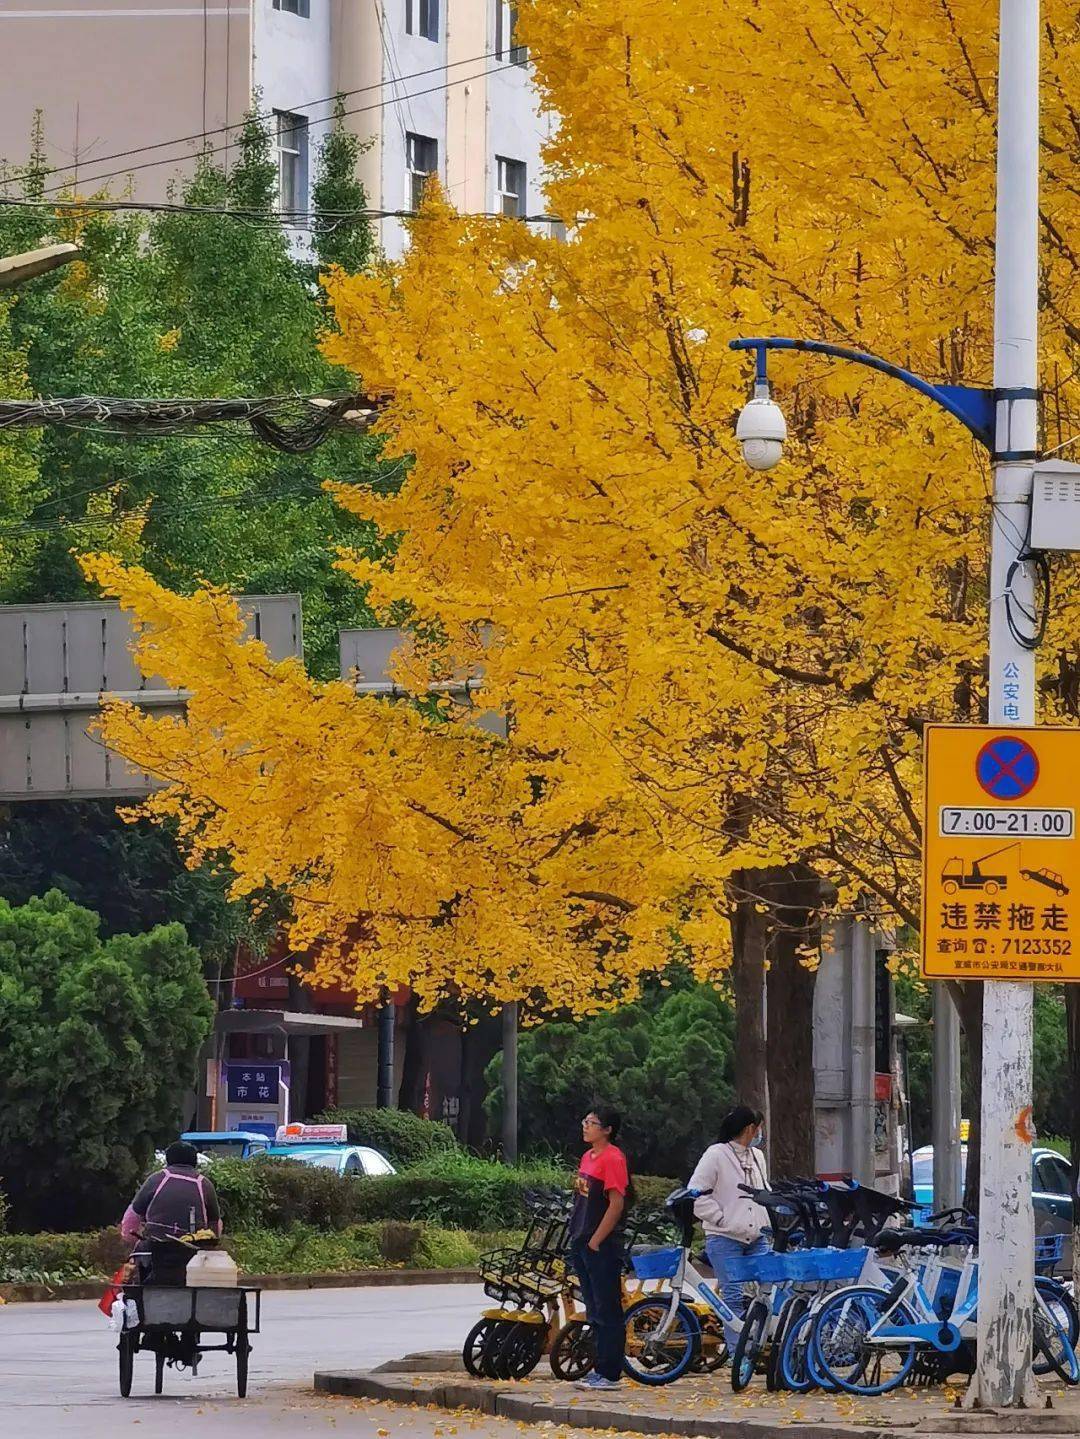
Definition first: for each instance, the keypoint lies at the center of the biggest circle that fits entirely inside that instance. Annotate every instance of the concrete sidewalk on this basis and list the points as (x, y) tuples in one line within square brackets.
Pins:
[(701, 1405)]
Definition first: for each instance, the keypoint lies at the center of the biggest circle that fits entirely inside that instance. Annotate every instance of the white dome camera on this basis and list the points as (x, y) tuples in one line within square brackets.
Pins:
[(761, 430)]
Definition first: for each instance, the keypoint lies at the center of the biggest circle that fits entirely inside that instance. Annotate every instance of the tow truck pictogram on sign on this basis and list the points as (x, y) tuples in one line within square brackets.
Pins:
[(958, 875)]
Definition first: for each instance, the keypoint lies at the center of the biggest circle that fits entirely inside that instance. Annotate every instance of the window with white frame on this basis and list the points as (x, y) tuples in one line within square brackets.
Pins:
[(295, 7), (422, 18), (421, 160), (506, 24), (510, 180), (292, 158)]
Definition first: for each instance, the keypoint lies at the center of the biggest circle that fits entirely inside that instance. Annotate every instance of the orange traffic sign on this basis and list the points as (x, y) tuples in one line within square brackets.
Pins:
[(1001, 853)]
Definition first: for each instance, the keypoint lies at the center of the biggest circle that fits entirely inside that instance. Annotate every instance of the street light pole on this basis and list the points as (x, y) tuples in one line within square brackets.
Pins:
[(1006, 1220)]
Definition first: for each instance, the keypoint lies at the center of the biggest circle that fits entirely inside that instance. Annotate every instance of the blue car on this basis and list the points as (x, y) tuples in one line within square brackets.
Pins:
[(1051, 1186), (227, 1143)]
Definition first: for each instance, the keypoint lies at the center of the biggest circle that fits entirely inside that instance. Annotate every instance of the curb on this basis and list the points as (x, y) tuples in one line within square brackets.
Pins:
[(350, 1279), (506, 1402)]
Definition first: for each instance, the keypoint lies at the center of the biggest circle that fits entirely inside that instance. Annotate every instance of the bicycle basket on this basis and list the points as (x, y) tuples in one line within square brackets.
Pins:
[(800, 1266), (656, 1263), (1049, 1248)]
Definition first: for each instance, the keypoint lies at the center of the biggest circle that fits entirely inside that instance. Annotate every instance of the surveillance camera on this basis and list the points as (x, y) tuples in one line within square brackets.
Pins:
[(761, 432)]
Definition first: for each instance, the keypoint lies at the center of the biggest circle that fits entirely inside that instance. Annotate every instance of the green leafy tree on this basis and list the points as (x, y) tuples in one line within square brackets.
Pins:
[(341, 232), (99, 1039), (665, 1062), (199, 304)]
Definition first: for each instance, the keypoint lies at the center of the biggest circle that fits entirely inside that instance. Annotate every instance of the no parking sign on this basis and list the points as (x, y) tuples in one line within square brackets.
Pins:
[(1001, 857)]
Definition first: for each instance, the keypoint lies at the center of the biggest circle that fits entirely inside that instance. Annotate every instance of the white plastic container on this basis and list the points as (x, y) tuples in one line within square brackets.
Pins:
[(212, 1269)]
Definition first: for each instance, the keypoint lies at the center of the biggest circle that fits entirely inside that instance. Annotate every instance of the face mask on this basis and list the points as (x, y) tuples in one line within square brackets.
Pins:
[(758, 1142)]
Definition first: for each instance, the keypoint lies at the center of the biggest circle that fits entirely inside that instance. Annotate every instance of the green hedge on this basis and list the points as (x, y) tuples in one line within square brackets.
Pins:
[(404, 1138), (452, 1190), (290, 1249), (60, 1258)]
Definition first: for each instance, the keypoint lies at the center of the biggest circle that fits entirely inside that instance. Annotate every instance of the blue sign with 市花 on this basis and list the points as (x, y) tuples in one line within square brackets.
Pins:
[(253, 1084)]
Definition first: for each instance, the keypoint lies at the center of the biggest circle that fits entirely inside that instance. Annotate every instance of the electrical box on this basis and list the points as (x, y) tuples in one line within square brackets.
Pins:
[(1055, 506)]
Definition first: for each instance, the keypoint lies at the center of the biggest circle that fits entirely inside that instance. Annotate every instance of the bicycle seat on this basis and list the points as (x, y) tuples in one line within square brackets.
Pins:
[(891, 1240)]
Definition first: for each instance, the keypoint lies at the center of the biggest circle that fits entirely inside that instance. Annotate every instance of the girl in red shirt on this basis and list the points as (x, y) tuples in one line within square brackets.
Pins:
[(596, 1241)]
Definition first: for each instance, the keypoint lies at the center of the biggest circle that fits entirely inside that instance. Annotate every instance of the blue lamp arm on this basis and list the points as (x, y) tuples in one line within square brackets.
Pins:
[(974, 408)]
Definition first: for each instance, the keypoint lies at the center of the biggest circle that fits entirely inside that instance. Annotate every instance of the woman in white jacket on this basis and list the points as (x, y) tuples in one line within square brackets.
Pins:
[(733, 1223)]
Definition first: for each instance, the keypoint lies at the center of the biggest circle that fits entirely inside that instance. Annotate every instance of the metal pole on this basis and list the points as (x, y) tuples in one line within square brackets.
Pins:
[(1006, 1226), (945, 1106), (510, 1083), (863, 1166), (384, 1094)]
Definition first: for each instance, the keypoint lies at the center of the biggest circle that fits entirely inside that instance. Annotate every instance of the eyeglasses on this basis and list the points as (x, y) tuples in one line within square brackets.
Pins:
[(590, 1123)]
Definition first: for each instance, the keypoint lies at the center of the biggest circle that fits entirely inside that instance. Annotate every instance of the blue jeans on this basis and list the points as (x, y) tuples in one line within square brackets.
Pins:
[(719, 1247), (600, 1276)]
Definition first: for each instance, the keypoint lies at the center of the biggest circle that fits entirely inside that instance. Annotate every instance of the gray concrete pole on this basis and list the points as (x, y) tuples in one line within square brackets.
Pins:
[(863, 1167), (945, 1105)]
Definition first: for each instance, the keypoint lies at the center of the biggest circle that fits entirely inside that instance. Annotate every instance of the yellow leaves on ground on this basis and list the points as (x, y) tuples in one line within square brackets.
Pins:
[(703, 669)]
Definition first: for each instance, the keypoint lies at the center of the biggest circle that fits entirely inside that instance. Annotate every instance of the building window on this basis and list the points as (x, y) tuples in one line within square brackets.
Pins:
[(422, 18), (506, 45), (511, 184), (292, 156), (421, 160), (295, 7)]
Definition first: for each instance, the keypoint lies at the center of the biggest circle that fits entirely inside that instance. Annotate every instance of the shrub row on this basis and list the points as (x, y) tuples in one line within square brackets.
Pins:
[(404, 1138), (452, 1190), (290, 1249)]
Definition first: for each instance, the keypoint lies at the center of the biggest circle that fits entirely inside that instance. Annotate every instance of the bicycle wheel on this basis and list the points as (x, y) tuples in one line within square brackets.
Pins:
[(748, 1345), (572, 1354), (1060, 1303), (521, 1350), (473, 1348), (795, 1371), (793, 1307), (126, 1347), (243, 1349), (658, 1352), (839, 1342), (493, 1343), (1052, 1342), (712, 1351)]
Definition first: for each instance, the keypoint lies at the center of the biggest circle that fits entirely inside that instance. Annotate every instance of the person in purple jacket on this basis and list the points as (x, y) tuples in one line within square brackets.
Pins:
[(173, 1201)]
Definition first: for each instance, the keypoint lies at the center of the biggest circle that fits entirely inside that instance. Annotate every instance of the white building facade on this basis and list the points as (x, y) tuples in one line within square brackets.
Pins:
[(431, 86)]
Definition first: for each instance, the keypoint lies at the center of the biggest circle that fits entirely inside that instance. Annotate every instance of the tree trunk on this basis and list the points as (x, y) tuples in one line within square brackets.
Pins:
[(791, 895), (479, 1045), (414, 1068), (749, 935), (969, 1001)]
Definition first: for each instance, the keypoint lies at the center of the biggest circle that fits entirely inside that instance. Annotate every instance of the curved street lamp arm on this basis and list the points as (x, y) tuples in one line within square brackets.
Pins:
[(974, 408)]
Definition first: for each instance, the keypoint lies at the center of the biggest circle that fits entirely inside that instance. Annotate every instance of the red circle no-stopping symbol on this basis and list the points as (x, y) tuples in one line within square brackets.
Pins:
[(1007, 767)]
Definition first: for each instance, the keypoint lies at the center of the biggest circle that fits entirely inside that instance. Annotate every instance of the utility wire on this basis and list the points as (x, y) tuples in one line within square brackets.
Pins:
[(358, 110), (292, 219), (318, 415), (260, 115)]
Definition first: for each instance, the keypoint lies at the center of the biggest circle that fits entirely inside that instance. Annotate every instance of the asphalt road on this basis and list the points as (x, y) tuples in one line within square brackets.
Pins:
[(58, 1369)]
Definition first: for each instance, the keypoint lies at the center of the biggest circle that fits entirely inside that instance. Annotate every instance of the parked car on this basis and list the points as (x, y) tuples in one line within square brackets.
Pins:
[(326, 1146), (1051, 1186), (227, 1143)]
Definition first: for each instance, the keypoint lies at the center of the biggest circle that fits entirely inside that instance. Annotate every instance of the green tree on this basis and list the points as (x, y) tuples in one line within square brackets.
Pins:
[(665, 1062), (99, 1039), (199, 304), (341, 231)]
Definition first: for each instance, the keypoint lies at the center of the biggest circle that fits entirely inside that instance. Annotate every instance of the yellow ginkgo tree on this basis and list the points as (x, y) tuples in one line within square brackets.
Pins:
[(707, 674)]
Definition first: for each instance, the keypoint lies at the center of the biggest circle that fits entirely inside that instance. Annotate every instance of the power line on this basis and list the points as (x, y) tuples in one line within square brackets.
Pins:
[(260, 115), (291, 219), (345, 114), (318, 415)]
